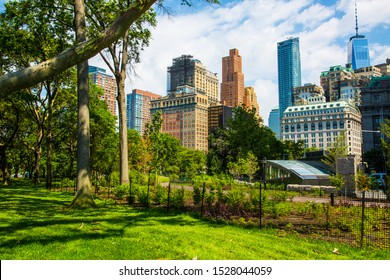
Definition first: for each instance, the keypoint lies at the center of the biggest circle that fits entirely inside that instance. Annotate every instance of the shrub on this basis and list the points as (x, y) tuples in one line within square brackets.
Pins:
[(160, 195), (120, 190), (143, 197), (178, 198), (197, 195), (234, 198)]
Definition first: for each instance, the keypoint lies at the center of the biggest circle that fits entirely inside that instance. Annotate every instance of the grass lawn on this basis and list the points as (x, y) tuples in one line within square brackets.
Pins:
[(35, 225)]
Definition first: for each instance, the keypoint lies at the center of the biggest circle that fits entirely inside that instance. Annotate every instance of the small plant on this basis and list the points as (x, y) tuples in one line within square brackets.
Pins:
[(120, 190), (197, 195), (143, 197), (159, 195), (178, 198)]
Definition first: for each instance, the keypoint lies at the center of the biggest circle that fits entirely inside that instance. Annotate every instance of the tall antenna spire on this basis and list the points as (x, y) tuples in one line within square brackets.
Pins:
[(356, 19)]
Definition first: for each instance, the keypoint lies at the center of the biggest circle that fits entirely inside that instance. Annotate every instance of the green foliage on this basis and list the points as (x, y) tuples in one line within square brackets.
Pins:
[(385, 129), (120, 191), (235, 197), (363, 182), (178, 198), (197, 195), (339, 149), (160, 195), (337, 181)]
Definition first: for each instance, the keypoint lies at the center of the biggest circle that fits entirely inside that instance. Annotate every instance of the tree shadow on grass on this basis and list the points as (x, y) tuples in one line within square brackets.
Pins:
[(30, 216)]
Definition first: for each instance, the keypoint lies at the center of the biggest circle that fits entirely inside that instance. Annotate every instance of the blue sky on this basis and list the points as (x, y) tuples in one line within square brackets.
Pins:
[(255, 27)]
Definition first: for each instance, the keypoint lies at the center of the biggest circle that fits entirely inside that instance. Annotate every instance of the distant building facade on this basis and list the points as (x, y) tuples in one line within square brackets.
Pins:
[(186, 70), (274, 122), (375, 107), (319, 123), (289, 71), (138, 109), (384, 67), (218, 117), (107, 82), (250, 99), (303, 93), (232, 85), (185, 116)]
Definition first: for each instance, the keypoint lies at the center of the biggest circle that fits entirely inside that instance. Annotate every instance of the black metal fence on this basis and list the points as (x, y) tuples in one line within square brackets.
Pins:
[(358, 218)]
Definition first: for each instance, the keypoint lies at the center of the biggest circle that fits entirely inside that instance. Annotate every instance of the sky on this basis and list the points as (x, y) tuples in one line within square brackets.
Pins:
[(254, 27)]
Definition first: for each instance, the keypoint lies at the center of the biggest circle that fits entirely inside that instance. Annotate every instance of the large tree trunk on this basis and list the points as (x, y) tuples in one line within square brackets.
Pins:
[(4, 166), (124, 157), (82, 51), (83, 196), (37, 154), (49, 175)]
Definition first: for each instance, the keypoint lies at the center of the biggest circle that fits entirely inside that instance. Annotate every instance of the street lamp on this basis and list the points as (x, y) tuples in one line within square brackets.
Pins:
[(264, 161)]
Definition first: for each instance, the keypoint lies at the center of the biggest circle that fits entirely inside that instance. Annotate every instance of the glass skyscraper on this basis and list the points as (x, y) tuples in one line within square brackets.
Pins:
[(289, 71), (358, 52)]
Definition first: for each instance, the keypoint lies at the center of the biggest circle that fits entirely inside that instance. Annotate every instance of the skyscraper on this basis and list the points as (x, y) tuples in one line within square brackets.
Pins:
[(138, 109), (186, 70), (107, 83), (289, 71), (274, 121), (358, 52), (232, 86)]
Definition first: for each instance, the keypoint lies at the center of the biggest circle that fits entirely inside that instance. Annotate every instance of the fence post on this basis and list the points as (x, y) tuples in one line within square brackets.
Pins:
[(203, 192), (332, 199), (362, 227), (260, 206)]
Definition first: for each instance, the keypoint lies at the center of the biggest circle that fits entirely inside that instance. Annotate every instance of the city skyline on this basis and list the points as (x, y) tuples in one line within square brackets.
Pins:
[(254, 27)]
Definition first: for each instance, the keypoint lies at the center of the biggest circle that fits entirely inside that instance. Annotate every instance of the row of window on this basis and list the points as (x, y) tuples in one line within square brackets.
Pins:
[(313, 126)]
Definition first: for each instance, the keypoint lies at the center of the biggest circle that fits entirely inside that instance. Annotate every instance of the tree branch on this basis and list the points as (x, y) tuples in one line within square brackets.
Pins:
[(33, 75)]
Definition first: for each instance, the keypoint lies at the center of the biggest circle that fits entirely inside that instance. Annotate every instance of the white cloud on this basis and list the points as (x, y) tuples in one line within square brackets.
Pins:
[(255, 27)]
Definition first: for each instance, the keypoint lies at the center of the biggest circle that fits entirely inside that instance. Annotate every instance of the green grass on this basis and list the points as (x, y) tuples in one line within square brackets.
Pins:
[(35, 225)]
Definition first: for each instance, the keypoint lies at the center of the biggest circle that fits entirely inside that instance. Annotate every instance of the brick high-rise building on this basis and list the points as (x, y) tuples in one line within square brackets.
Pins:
[(138, 109), (184, 114), (232, 86), (250, 99), (107, 83)]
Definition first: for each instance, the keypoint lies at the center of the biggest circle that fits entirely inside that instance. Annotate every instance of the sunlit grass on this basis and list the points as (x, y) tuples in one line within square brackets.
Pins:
[(34, 224)]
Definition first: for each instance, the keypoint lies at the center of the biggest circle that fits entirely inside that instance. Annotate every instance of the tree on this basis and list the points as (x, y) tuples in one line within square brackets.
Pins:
[(244, 133), (83, 196), (385, 129), (42, 35), (339, 149), (9, 126), (118, 56), (69, 57)]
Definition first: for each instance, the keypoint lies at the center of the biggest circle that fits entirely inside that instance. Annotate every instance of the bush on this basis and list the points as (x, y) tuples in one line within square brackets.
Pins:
[(160, 195), (143, 197), (197, 195), (120, 190), (178, 198)]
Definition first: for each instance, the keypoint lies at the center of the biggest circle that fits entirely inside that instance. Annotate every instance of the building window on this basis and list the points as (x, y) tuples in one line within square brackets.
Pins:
[(286, 128), (298, 127), (313, 126), (305, 127), (341, 124), (327, 125), (292, 128), (320, 126), (334, 125)]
